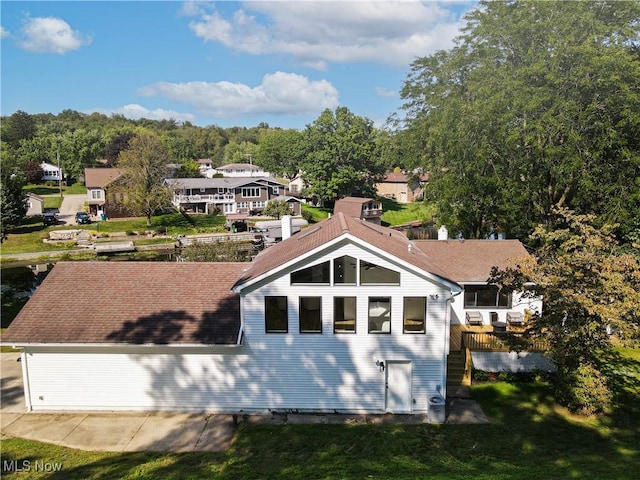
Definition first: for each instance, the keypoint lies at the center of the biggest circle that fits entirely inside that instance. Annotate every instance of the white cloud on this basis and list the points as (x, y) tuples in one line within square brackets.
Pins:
[(316, 33), (4, 33), (134, 111), (385, 92), (279, 93), (51, 35)]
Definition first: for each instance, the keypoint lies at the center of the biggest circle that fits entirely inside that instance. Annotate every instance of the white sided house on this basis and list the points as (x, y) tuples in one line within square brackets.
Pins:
[(345, 316)]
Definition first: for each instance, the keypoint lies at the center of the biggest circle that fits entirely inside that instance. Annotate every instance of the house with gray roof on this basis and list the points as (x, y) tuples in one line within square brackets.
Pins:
[(345, 316), (229, 195)]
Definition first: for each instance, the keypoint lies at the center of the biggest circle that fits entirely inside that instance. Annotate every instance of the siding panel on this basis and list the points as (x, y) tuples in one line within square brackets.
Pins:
[(293, 371)]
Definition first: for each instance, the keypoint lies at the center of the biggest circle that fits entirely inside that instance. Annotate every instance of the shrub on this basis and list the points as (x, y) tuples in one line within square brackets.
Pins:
[(307, 215), (585, 390)]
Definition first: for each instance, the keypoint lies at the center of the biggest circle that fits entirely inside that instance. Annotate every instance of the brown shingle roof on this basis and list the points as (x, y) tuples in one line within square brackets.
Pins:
[(391, 241), (132, 303), (351, 206), (100, 177), (395, 177), (471, 260)]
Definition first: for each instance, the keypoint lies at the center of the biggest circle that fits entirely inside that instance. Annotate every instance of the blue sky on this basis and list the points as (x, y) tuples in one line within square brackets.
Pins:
[(217, 63)]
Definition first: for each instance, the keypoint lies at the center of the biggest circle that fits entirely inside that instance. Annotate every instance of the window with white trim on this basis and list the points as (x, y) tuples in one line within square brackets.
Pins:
[(250, 192)]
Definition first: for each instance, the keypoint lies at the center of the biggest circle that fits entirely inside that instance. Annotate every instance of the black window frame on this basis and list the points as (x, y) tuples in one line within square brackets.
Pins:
[(405, 326), (301, 320), (267, 310), (340, 317), (502, 300)]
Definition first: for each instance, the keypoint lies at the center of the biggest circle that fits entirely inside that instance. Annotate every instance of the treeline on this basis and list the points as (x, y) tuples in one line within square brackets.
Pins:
[(535, 109), (84, 140)]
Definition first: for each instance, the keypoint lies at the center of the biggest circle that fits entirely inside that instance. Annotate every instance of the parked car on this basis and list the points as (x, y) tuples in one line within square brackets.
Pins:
[(49, 218), (83, 218)]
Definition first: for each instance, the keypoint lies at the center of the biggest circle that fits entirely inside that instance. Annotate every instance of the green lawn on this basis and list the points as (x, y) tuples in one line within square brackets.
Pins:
[(29, 237), (530, 437), (75, 189), (395, 213), (318, 214)]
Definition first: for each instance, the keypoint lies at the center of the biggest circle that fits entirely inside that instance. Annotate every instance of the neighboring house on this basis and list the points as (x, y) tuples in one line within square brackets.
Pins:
[(399, 187), (295, 204), (51, 173), (35, 204), (346, 316), (356, 207), (204, 164), (239, 195), (239, 170), (296, 186), (100, 200)]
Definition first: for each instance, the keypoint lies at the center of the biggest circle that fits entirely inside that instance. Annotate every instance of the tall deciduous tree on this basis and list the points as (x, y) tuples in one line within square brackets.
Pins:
[(144, 166), (117, 144), (590, 289), (13, 204), (18, 126), (535, 108), (280, 152), (341, 155)]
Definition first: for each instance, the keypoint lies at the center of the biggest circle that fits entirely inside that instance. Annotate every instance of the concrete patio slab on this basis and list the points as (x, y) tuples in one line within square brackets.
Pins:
[(105, 432), (462, 410), (168, 432), (7, 419), (218, 434), (45, 427)]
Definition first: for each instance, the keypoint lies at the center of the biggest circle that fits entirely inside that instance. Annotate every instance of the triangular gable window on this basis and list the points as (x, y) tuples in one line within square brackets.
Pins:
[(372, 274), (314, 274)]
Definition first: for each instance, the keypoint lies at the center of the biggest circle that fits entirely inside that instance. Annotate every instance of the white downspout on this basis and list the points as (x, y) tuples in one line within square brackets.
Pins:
[(25, 380)]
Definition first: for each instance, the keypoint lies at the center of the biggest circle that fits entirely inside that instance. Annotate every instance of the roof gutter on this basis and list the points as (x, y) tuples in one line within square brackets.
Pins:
[(17, 345)]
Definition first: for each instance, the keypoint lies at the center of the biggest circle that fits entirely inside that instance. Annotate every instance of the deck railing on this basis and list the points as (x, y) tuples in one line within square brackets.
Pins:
[(214, 198), (495, 342)]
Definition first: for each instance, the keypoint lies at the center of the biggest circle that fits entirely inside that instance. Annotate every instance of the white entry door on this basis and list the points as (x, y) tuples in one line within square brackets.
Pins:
[(398, 386)]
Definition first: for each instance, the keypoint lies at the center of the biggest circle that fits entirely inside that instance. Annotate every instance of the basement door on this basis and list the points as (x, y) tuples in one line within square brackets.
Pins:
[(398, 386)]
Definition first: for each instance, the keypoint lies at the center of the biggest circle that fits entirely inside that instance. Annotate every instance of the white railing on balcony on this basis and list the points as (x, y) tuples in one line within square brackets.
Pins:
[(215, 198)]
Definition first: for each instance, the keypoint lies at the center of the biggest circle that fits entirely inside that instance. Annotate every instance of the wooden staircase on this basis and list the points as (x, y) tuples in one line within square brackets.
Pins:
[(456, 373)]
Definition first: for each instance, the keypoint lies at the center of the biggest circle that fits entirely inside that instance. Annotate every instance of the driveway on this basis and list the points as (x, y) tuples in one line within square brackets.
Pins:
[(71, 204)]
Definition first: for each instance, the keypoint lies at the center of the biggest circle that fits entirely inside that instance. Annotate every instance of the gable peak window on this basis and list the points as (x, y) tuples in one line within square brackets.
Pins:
[(372, 274), (314, 274), (344, 270)]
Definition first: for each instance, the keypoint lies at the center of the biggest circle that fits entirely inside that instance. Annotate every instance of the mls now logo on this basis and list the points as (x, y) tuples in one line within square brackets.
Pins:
[(28, 466)]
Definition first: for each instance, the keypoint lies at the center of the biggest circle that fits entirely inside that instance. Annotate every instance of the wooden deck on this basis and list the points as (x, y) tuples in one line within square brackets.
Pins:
[(465, 339)]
